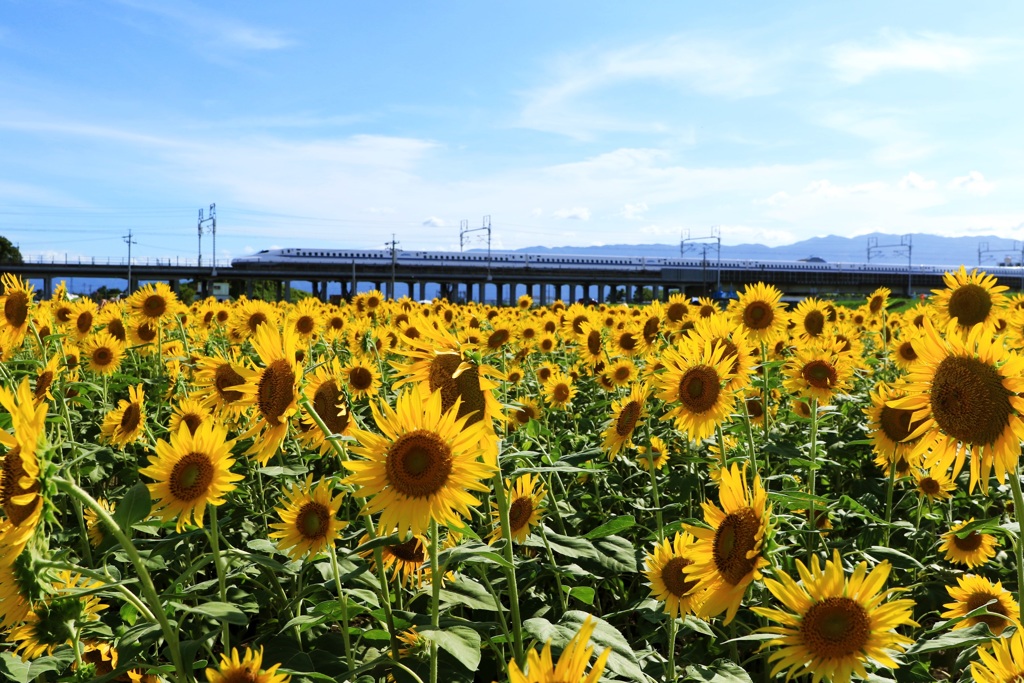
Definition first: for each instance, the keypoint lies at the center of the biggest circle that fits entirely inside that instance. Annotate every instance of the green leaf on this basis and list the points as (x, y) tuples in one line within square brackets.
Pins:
[(584, 594), (958, 639), (221, 611), (467, 593), (892, 552), (134, 507), (471, 552), (12, 667), (720, 671), (622, 659), (613, 526), (461, 642), (58, 661)]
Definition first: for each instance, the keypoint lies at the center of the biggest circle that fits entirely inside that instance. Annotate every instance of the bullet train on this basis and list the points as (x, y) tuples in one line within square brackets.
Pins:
[(278, 258)]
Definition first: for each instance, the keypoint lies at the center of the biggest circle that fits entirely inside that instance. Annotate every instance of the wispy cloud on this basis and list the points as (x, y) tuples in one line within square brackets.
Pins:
[(211, 31), (972, 183), (434, 222), (896, 139), (577, 213), (899, 51), (569, 103)]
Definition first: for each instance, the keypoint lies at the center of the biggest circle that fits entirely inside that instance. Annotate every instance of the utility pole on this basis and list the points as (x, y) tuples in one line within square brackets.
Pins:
[(394, 258), (713, 241), (464, 230), (128, 238), (208, 224), (904, 247)]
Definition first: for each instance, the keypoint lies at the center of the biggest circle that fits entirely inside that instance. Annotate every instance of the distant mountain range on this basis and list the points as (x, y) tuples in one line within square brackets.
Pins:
[(925, 250)]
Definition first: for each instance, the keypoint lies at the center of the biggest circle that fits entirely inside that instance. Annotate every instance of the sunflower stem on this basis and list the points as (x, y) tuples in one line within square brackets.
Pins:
[(510, 571), (750, 437), (672, 648), (812, 537), (436, 575), (888, 497), (129, 597), (1018, 513), (181, 674), (653, 471), (343, 601), (222, 584)]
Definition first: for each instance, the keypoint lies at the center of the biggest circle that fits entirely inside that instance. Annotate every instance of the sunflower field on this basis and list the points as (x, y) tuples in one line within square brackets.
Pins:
[(394, 491)]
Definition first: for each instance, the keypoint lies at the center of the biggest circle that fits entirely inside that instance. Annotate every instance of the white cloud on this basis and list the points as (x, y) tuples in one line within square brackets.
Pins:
[(899, 51), (210, 31), (896, 139), (578, 213), (972, 183), (914, 181), (434, 222), (634, 212)]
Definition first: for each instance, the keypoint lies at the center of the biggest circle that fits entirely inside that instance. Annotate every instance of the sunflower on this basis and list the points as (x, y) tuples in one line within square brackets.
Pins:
[(833, 624), (524, 302), (45, 379), (218, 381), (524, 508), (247, 669), (1005, 661), (889, 427), (973, 592), (878, 301), (274, 390), (934, 484), (249, 315), (126, 423), (83, 317), (629, 341), (972, 549), (93, 523), (572, 663), (16, 580), (19, 472), (966, 394), (810, 318), (155, 302), (324, 392), (591, 343), (190, 471), (622, 372), (103, 353), (53, 622), (559, 390), (818, 372), (659, 451), (970, 299), (759, 312), (627, 413), (693, 385), (423, 466), (706, 307), (665, 569), (902, 350), (406, 560), (190, 411), (17, 305), (729, 556), (361, 376), (736, 348), (308, 519), (305, 319), (528, 410), (143, 335)]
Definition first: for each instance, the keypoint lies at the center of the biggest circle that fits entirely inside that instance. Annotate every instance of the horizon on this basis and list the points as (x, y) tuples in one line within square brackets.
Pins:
[(355, 125)]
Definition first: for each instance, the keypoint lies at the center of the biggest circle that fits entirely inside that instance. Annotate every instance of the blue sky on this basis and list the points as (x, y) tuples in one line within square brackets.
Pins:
[(338, 124)]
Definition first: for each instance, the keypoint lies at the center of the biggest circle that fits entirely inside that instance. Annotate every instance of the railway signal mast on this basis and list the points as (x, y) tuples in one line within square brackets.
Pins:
[(392, 245), (208, 224), (704, 245), (984, 253), (904, 247)]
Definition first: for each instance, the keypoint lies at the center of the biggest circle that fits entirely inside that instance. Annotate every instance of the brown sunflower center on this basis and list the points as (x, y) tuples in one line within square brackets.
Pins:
[(146, 332), (497, 338), (336, 322), (969, 401), (305, 325), (43, 383), (729, 350), (676, 311), (154, 306), (706, 311), (627, 341), (896, 423), (735, 538), (102, 356), (875, 305), (929, 486), (16, 308), (329, 403), (968, 543), (699, 389), (191, 477), (560, 394), (519, 513), (255, 320), (628, 417), (410, 551), (83, 323), (116, 330), (223, 379), (276, 390), (674, 578), (906, 351), (970, 304), (192, 421), (814, 323), (621, 373), (594, 343), (243, 675), (466, 386), (754, 408), (758, 315), (820, 374), (651, 328), (63, 313), (131, 418), (836, 627), (981, 598), (313, 520), (525, 414), (360, 378), (418, 464)]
